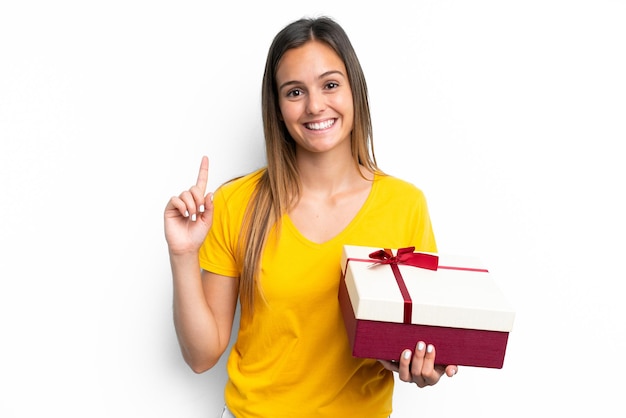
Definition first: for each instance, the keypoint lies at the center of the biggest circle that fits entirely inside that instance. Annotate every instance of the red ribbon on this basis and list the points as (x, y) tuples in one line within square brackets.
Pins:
[(405, 256)]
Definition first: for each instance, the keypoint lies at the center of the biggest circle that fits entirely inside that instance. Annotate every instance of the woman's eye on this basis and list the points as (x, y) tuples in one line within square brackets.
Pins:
[(332, 85), (294, 93)]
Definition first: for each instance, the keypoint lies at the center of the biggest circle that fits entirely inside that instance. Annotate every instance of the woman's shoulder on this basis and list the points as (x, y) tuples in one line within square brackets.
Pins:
[(394, 185), (241, 186)]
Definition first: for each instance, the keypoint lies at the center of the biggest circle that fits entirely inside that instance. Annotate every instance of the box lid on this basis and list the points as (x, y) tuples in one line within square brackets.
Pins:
[(455, 295)]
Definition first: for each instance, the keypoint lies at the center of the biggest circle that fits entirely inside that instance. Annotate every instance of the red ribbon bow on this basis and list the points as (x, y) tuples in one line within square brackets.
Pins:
[(405, 256)]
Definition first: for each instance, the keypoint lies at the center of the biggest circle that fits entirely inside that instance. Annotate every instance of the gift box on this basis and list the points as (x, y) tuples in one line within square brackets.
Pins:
[(391, 299)]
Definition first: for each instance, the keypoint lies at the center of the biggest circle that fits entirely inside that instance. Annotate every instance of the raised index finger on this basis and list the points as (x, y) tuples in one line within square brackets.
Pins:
[(203, 174)]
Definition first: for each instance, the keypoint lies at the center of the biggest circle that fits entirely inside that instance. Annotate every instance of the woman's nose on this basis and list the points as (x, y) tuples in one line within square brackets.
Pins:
[(316, 103)]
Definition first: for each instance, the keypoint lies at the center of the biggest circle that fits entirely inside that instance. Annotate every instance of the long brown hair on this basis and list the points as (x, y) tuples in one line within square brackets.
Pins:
[(279, 186)]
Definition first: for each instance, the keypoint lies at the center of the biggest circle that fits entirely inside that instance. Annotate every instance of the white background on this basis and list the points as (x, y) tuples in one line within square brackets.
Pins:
[(510, 115)]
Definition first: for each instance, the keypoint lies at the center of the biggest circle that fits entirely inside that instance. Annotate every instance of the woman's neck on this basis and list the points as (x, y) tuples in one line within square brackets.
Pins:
[(327, 176)]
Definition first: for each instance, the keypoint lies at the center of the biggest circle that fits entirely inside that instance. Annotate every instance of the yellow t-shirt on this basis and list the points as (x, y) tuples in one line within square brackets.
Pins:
[(292, 358)]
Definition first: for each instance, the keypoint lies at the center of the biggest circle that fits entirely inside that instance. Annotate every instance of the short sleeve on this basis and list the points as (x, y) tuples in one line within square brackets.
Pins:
[(217, 254)]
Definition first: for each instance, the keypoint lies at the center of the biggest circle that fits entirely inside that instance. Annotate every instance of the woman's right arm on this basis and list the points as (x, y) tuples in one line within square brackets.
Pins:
[(204, 303), (204, 311)]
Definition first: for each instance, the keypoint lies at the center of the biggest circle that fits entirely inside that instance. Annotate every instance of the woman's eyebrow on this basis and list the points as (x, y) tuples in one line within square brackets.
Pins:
[(323, 75)]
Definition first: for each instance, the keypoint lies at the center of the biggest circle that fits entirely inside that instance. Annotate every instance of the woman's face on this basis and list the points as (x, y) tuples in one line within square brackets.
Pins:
[(315, 98)]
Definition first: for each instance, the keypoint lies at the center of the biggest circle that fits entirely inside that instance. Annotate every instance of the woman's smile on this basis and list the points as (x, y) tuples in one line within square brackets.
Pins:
[(320, 126)]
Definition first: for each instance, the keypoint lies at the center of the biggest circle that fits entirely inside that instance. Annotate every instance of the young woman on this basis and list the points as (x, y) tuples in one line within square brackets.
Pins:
[(274, 238)]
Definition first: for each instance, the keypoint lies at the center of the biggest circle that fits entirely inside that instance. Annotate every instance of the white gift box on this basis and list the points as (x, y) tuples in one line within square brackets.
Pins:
[(458, 307)]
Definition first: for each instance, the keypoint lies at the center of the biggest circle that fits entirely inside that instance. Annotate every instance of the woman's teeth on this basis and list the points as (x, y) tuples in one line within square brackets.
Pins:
[(320, 125)]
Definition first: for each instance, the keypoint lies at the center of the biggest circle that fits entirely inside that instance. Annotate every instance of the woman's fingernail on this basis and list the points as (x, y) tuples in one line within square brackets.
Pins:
[(430, 348), (406, 354), (186, 214), (201, 208), (193, 217), (420, 346)]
